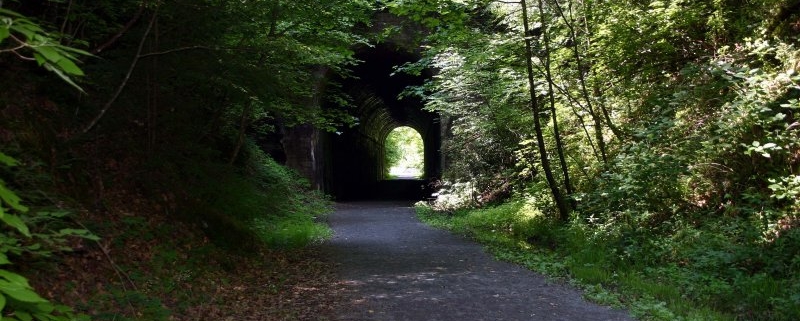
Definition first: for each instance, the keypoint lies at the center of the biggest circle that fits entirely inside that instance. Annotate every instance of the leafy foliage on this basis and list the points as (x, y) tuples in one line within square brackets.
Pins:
[(18, 300), (27, 37), (679, 131)]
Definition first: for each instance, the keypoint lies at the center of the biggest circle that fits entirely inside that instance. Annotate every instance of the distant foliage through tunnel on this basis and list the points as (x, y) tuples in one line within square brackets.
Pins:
[(404, 153)]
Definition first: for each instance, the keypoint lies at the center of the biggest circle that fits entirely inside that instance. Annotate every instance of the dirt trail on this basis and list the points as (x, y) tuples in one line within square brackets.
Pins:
[(396, 268)]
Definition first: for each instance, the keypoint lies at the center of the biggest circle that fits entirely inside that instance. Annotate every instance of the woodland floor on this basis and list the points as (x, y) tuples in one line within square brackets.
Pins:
[(393, 267)]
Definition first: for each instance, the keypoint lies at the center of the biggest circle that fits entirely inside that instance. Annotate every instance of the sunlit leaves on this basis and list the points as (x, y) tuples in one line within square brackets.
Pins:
[(433, 13)]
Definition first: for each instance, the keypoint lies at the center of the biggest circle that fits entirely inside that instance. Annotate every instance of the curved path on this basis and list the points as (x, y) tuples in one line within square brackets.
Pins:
[(394, 267)]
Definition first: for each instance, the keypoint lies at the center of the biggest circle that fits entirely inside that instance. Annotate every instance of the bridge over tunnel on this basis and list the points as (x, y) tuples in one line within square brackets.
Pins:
[(356, 166)]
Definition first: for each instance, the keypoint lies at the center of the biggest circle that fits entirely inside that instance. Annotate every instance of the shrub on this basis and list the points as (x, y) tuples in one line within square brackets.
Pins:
[(18, 300), (265, 203)]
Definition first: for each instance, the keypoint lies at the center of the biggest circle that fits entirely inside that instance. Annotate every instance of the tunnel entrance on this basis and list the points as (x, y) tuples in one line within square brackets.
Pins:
[(404, 154), (357, 167)]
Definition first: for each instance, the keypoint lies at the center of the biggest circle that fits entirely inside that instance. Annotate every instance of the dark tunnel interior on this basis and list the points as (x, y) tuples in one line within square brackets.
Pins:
[(356, 168)]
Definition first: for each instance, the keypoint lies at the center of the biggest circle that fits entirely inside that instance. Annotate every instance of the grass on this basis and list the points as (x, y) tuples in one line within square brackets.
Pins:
[(653, 277), (264, 203)]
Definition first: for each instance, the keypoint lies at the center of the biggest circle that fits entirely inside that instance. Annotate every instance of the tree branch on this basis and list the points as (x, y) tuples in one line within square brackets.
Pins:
[(119, 34), (66, 18), (127, 76), (165, 52)]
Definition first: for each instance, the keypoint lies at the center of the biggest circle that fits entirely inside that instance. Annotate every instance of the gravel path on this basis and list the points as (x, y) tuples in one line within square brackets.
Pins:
[(394, 267)]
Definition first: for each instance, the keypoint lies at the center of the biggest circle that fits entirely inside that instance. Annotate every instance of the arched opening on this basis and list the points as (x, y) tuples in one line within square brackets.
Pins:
[(355, 163), (404, 154)]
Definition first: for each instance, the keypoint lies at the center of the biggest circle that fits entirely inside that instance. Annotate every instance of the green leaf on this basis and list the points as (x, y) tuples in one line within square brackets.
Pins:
[(62, 308), (17, 223), (69, 67), (39, 59), (4, 259), (14, 278), (20, 293), (11, 199), (23, 316), (79, 233), (4, 33), (10, 13), (45, 308), (5, 159), (2, 303), (49, 52), (74, 50), (63, 76), (24, 28)]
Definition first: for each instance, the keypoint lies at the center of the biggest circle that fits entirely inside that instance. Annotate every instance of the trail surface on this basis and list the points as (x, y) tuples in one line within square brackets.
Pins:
[(394, 267)]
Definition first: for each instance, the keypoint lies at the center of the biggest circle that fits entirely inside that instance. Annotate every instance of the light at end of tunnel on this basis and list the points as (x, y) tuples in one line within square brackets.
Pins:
[(405, 155)]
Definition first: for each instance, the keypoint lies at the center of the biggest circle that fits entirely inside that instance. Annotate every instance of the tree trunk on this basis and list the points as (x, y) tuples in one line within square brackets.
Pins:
[(575, 102), (127, 77), (551, 94), (563, 206), (598, 122), (153, 91)]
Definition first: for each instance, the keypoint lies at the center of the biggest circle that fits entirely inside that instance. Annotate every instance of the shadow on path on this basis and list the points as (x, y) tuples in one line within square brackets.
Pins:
[(394, 267)]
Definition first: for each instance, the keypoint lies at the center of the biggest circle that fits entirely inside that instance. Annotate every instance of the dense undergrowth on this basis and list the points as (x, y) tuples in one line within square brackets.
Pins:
[(262, 202), (231, 248), (686, 271)]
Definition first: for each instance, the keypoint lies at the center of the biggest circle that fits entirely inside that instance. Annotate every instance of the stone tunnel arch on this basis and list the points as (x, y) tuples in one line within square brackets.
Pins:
[(349, 164), (356, 168)]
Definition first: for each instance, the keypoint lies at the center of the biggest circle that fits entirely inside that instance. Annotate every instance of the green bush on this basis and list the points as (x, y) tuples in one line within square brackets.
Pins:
[(18, 300), (717, 272), (264, 203)]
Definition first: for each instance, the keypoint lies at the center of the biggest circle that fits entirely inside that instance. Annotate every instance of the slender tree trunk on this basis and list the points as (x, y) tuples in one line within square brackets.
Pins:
[(598, 123), (598, 135), (551, 94), (152, 105), (575, 102), (563, 206), (125, 80), (598, 92), (601, 102), (122, 31), (66, 18)]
